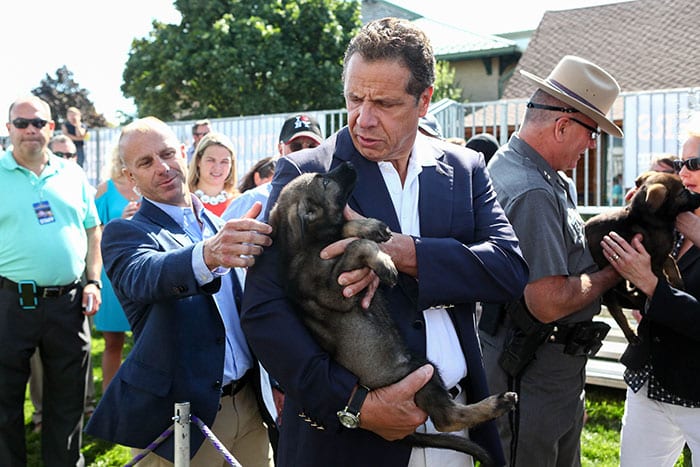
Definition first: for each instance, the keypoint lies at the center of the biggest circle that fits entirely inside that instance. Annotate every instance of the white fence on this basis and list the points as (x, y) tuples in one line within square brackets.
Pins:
[(652, 121), (254, 137)]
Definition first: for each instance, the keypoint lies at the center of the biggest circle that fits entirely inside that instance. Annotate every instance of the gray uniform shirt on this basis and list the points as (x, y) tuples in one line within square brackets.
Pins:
[(539, 205)]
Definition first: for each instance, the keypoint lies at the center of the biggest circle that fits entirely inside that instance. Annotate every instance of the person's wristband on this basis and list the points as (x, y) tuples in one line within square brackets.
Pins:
[(94, 281)]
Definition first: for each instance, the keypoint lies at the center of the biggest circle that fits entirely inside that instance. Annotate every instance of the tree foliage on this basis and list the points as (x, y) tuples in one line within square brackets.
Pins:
[(242, 57), (445, 86), (62, 92)]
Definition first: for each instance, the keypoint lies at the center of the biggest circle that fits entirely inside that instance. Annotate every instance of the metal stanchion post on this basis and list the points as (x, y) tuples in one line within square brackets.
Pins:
[(182, 434)]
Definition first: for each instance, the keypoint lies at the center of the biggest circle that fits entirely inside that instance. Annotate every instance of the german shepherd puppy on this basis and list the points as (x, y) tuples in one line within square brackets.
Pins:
[(308, 217), (660, 197)]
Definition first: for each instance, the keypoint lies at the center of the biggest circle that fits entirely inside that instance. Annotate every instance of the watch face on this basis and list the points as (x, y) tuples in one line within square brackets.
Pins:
[(348, 420)]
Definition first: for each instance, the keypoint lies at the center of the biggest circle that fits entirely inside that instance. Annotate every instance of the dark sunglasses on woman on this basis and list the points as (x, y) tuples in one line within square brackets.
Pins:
[(692, 164)]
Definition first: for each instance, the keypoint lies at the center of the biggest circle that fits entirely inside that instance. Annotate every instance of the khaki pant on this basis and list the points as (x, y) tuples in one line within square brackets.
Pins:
[(239, 427)]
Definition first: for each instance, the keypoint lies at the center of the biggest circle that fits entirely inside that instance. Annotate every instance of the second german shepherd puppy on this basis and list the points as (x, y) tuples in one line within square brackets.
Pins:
[(660, 197), (308, 217)]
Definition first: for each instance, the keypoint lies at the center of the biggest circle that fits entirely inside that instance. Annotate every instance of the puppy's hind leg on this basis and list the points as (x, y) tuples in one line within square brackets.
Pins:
[(448, 415), (616, 312), (673, 275), (461, 416)]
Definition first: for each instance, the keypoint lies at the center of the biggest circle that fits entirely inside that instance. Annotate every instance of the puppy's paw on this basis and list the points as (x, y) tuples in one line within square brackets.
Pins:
[(385, 269), (382, 233), (503, 403), (508, 400), (369, 228)]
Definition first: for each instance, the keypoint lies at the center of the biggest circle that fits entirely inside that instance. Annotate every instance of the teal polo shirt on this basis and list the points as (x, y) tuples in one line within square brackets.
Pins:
[(43, 221)]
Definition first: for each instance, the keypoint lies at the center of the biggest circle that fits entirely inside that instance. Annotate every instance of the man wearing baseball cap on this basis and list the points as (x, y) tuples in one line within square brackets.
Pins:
[(538, 346), (300, 131)]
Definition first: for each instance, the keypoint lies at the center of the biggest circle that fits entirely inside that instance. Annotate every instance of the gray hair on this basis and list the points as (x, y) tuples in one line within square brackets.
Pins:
[(396, 39)]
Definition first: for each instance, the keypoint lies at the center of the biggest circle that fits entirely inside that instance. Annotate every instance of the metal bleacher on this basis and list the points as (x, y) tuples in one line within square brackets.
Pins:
[(605, 368)]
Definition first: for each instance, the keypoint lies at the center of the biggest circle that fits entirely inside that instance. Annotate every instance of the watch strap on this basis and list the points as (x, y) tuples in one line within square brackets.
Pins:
[(357, 399)]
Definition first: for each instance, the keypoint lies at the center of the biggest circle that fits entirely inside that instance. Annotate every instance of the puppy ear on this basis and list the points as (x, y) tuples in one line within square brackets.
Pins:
[(296, 220), (656, 195), (639, 181)]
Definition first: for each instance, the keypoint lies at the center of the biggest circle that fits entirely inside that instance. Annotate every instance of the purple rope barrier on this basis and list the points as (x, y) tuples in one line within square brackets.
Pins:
[(228, 457), (154, 444)]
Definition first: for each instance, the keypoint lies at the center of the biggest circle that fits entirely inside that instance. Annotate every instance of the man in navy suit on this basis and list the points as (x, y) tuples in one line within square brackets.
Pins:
[(451, 243), (172, 266)]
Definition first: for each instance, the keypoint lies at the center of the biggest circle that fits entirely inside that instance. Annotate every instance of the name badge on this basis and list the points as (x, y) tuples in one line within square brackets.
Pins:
[(43, 212)]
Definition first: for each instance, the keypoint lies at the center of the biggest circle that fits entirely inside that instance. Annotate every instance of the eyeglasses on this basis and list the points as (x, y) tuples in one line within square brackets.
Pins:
[(65, 155), (23, 123), (196, 133), (692, 164), (595, 132), (298, 145)]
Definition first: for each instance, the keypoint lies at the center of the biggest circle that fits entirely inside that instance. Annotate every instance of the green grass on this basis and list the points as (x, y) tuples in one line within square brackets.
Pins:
[(600, 440), (97, 453)]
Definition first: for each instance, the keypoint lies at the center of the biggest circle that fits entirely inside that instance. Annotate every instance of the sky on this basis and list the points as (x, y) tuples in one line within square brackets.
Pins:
[(93, 38)]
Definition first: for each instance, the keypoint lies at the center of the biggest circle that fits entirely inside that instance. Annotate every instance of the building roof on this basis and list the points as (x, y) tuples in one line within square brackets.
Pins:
[(452, 43), (644, 44), (449, 42), (377, 9)]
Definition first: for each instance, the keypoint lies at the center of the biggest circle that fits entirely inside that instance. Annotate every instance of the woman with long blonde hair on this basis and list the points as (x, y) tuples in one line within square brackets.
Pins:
[(212, 172)]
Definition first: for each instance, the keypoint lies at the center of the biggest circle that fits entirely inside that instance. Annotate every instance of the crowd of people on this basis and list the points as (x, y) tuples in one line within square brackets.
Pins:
[(173, 248)]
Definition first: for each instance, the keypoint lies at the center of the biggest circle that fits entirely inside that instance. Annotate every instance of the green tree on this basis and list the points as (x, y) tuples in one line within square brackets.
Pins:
[(62, 92), (238, 57), (445, 86)]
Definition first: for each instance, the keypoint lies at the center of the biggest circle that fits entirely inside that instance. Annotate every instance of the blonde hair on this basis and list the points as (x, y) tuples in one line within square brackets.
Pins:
[(212, 139), (116, 165)]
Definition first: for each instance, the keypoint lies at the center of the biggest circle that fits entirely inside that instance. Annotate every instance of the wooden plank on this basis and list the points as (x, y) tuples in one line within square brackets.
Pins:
[(607, 373)]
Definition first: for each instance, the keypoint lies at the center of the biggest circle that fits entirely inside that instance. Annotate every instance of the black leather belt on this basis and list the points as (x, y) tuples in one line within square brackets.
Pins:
[(234, 387), (41, 292)]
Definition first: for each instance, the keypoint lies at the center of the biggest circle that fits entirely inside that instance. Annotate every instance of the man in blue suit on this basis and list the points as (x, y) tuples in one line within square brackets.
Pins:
[(451, 243), (172, 266)]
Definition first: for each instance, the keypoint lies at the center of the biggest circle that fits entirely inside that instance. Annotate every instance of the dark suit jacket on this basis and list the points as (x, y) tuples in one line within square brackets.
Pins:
[(467, 252), (670, 332), (179, 337)]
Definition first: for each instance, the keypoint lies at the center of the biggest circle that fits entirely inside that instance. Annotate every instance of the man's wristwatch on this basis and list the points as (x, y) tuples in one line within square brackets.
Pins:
[(350, 416), (98, 283)]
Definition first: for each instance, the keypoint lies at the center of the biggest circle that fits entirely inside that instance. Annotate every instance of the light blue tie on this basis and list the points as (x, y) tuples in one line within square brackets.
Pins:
[(191, 225)]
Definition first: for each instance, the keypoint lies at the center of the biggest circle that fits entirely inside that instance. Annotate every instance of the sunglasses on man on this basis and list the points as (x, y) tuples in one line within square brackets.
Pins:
[(298, 145), (692, 164), (66, 155), (23, 123)]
